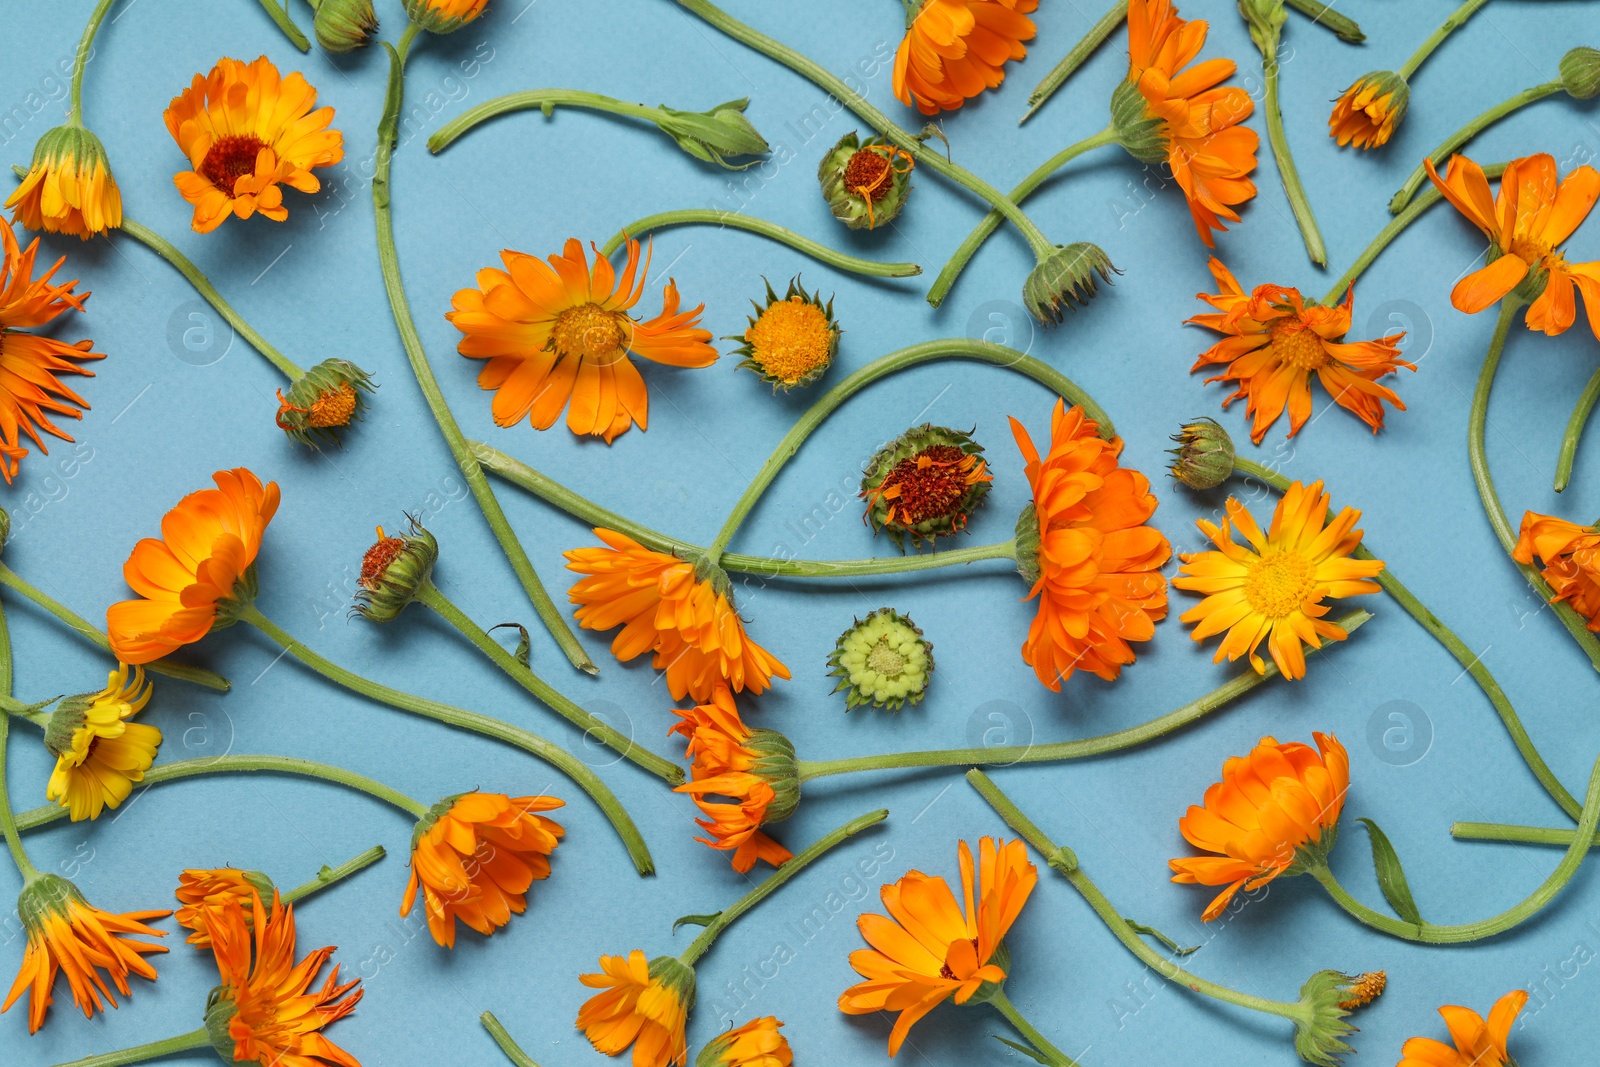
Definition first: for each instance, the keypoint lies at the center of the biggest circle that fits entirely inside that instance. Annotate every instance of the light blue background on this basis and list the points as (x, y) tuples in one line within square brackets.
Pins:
[(161, 424)]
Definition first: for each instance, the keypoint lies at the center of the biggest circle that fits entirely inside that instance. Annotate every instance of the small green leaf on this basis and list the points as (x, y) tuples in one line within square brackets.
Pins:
[(695, 920), (1391, 876), (1150, 931), (1027, 1050), (524, 650)]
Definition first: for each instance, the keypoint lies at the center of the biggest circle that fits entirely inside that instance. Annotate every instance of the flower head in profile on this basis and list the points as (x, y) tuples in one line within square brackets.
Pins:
[(1570, 555), (99, 753), (558, 335), (1531, 215), (30, 391), (1273, 588), (791, 341), (925, 484), (193, 577), (642, 1004), (1275, 812), (394, 570), (1367, 114), (204, 894), (1086, 549), (667, 607), (69, 187), (1478, 1042), (323, 401), (929, 949), (444, 16), (475, 857), (1273, 344), (68, 934), (955, 49), (755, 1044)]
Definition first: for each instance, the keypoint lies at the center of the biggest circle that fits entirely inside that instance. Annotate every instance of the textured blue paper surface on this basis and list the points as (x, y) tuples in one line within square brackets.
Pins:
[(169, 409)]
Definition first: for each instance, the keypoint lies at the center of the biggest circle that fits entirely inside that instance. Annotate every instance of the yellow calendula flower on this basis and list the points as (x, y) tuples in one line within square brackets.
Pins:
[(99, 753), (69, 187)]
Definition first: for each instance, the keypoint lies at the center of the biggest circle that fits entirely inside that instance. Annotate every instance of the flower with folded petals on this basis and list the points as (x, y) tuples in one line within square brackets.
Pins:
[(755, 1044), (1367, 113), (643, 1004), (1478, 1043), (955, 49), (69, 187), (203, 894), (1571, 557), (99, 753), (444, 16)]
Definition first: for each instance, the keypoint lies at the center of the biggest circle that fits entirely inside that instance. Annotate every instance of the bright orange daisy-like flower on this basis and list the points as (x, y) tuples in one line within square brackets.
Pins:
[(1084, 545), (1571, 557), (642, 1003), (247, 130), (928, 950), (1273, 810), (1532, 214), (558, 336), (1478, 1043), (665, 608), (955, 49), (475, 856), (1197, 134), (1273, 345), (1367, 113), (201, 563), (1274, 589), (203, 894), (69, 188)]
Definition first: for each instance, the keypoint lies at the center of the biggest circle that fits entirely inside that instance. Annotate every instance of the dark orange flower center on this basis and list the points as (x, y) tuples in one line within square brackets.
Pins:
[(1298, 345), (378, 558), (867, 174), (929, 485), (1279, 583), (590, 332), (231, 158), (334, 407)]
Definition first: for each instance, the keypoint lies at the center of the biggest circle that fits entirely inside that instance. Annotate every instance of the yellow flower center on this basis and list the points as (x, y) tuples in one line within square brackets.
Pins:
[(334, 407), (791, 339), (884, 660), (231, 158), (1529, 250), (1278, 583), (1297, 345), (591, 332)]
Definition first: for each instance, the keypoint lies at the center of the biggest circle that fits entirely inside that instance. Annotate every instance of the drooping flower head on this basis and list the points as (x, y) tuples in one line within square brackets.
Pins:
[(1273, 344), (344, 26), (755, 1044), (558, 335), (791, 341), (1571, 557), (99, 753), (925, 484), (1274, 588), (955, 49), (1274, 812), (930, 948), (444, 16), (882, 660), (1478, 1042), (203, 895), (323, 401), (1367, 113), (69, 187), (642, 1004), (475, 857), (666, 607), (1531, 215), (247, 131), (197, 572), (1085, 549)]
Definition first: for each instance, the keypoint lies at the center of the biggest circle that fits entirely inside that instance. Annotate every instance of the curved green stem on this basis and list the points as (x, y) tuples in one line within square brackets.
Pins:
[(1450, 25), (8, 821), (196, 675), (1006, 755), (1527, 835), (546, 100), (894, 362), (1343, 26), (1030, 1033), (1088, 46), (389, 261), (546, 694), (565, 762), (194, 1039), (512, 1050), (990, 222), (329, 876), (870, 268), (1453, 143), (81, 60), (774, 881), (1287, 172), (1569, 440)]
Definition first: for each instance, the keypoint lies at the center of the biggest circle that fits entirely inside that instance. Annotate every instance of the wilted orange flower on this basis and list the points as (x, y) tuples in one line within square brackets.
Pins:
[(749, 767), (1275, 808), (99, 753), (202, 895), (927, 949), (663, 607), (69, 187), (955, 49), (29, 363), (1209, 154), (1477, 1043), (443, 16), (1274, 344), (1532, 214), (264, 1002), (247, 130), (643, 1004), (755, 1044), (1274, 589), (1096, 566), (1367, 113), (203, 558), (1571, 557), (561, 332)]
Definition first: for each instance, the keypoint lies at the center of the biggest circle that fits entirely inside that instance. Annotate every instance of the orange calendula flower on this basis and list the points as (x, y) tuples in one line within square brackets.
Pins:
[(99, 753), (1367, 113), (1571, 557), (1532, 214), (197, 571), (68, 934), (1273, 345), (666, 607), (444, 16), (955, 49), (204, 894), (928, 949), (69, 187), (29, 389), (1274, 589), (247, 130), (264, 1010), (1275, 811), (1166, 114), (1477, 1043), (644, 1004), (475, 856), (558, 336), (1084, 546), (755, 1044)]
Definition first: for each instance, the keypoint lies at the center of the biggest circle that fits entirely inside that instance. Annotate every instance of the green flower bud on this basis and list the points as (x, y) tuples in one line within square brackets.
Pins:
[(865, 186), (1065, 278), (325, 399), (716, 134), (1204, 454), (882, 660), (1580, 73), (1329, 998), (1140, 132), (393, 571), (1265, 19), (344, 25), (791, 341), (925, 484)]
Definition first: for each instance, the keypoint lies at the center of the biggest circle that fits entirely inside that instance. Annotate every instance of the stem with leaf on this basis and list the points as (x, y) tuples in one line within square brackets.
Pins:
[(869, 268), (1044, 1051)]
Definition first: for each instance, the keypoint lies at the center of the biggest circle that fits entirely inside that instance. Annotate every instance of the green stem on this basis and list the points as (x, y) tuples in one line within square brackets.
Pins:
[(1007, 755), (1569, 440), (1477, 424), (990, 222), (1428, 933), (1450, 25), (461, 719), (332, 875), (8, 822), (545, 100), (894, 362), (1453, 143), (1455, 646), (279, 14), (513, 1052), (1287, 173), (194, 1039), (196, 675), (774, 881), (81, 61), (1097, 35), (1030, 1033), (430, 596), (1343, 26), (1527, 835), (870, 268), (389, 261)]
